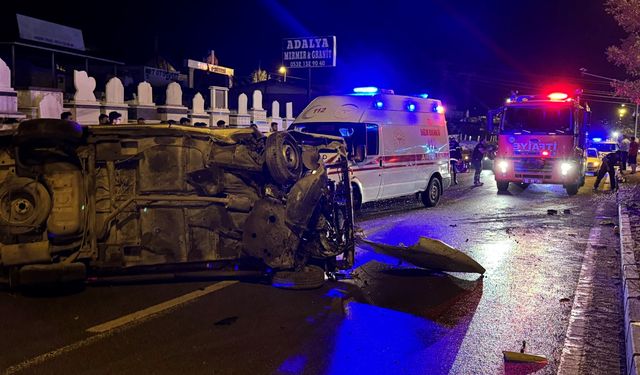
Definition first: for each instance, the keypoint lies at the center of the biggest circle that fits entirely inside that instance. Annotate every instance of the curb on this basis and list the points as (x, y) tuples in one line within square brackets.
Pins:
[(631, 293)]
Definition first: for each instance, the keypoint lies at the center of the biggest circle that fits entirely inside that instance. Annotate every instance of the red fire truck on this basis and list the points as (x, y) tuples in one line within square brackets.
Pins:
[(541, 140)]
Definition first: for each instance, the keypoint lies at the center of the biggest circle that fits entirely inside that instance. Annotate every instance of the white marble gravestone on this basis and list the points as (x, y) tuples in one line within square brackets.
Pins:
[(258, 113), (114, 100), (275, 115), (288, 117), (219, 105), (142, 105), (241, 117), (84, 106), (173, 108), (8, 96), (50, 106), (197, 113)]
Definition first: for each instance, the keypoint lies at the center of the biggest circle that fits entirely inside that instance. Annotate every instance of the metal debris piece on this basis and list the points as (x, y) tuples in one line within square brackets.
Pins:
[(552, 212), (567, 211), (430, 254), (524, 358)]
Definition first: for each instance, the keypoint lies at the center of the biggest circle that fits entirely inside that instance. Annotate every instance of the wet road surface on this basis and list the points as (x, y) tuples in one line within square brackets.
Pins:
[(551, 281)]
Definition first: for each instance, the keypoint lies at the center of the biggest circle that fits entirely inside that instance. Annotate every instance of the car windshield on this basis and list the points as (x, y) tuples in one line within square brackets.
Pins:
[(537, 120), (592, 153), (605, 147)]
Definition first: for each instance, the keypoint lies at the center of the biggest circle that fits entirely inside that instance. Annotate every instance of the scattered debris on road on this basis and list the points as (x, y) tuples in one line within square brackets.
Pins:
[(524, 357), (430, 254), (567, 211), (607, 223), (552, 212), (564, 300)]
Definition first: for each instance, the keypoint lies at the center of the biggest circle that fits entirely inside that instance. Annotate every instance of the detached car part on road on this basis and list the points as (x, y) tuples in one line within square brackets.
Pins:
[(78, 201)]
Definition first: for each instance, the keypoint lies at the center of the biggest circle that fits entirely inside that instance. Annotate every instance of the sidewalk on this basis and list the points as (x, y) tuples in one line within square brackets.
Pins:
[(629, 225)]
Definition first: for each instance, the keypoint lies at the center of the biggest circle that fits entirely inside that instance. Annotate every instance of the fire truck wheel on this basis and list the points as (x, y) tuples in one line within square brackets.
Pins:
[(283, 158), (572, 189), (431, 196), (502, 186)]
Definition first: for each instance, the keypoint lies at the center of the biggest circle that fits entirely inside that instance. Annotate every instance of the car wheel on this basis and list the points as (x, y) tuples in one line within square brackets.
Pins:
[(24, 205), (50, 132), (502, 186), (356, 196), (572, 189), (283, 158), (310, 277), (431, 196)]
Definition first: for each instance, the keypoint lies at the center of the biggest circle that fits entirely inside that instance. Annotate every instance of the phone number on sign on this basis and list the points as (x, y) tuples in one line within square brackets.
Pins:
[(307, 64)]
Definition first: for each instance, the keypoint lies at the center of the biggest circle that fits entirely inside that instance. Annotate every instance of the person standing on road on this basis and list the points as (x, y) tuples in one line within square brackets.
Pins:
[(624, 152), (608, 166), (476, 159), (455, 157), (633, 154)]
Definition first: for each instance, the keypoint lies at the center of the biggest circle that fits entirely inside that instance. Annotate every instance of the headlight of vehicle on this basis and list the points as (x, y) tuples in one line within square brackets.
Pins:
[(503, 165), (565, 167), (466, 158), (596, 163)]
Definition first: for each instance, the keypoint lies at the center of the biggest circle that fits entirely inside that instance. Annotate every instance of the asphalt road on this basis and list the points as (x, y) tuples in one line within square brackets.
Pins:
[(551, 281)]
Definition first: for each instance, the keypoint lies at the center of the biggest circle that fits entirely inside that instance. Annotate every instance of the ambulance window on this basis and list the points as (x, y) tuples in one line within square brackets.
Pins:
[(372, 139)]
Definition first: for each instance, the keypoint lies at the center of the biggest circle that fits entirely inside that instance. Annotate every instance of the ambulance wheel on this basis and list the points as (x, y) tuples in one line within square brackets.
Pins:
[(572, 189), (356, 196), (431, 196), (502, 186), (283, 158)]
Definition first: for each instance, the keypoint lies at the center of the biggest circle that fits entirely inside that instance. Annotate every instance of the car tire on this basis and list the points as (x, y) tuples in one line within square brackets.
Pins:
[(356, 197), (431, 196), (572, 189), (310, 277), (283, 158), (24, 205), (49, 132), (502, 186)]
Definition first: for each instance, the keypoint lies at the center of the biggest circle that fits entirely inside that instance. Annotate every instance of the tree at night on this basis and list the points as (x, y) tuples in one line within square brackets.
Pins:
[(627, 54)]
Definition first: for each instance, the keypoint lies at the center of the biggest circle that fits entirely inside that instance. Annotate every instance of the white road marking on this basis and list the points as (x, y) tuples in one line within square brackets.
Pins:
[(573, 349), (109, 328), (153, 310)]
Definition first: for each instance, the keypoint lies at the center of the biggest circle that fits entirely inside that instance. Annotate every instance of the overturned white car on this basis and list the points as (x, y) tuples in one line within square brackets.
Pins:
[(93, 200)]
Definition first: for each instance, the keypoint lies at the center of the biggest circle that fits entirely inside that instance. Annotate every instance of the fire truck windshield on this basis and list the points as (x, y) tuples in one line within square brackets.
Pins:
[(537, 120)]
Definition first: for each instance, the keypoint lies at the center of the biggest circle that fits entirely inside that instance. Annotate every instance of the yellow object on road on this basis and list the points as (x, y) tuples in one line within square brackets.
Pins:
[(524, 358)]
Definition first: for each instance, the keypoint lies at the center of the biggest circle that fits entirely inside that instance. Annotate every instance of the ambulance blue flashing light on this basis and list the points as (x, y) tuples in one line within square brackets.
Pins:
[(411, 107), (366, 90), (437, 108), (378, 104), (424, 96), (597, 139)]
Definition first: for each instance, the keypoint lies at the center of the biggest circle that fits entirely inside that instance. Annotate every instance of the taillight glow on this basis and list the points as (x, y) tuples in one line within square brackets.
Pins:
[(545, 153), (557, 96)]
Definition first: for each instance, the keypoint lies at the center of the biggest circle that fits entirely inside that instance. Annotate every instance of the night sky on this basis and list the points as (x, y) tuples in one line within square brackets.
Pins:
[(472, 50)]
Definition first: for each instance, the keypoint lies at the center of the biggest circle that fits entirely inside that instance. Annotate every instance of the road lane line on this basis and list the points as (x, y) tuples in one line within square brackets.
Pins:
[(572, 358), (117, 325), (153, 310)]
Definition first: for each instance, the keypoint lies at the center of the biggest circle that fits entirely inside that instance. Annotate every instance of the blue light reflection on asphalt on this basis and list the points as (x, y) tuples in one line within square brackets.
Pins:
[(293, 365), (375, 340)]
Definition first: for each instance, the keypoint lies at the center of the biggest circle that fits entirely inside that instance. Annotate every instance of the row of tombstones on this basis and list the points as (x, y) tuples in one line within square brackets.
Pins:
[(42, 103)]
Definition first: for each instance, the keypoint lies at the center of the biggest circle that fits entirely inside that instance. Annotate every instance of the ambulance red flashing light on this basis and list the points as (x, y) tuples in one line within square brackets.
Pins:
[(545, 153)]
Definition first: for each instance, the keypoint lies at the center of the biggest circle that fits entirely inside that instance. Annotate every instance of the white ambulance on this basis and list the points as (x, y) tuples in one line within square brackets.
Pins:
[(398, 145)]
